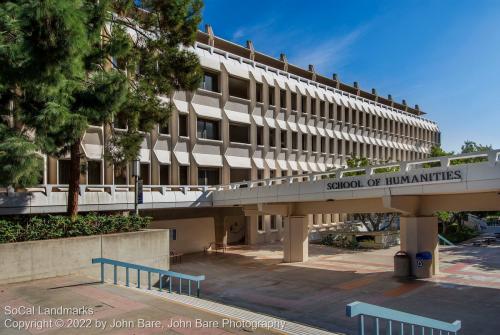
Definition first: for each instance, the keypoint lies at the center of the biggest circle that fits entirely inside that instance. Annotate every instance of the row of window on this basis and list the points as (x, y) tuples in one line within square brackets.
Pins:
[(206, 176), (239, 88)]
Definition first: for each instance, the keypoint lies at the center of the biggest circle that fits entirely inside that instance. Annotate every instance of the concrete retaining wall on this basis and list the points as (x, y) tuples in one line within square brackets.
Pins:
[(31, 260), (192, 235)]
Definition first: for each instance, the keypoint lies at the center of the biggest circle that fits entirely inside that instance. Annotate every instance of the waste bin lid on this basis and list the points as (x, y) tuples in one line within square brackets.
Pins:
[(401, 254), (424, 255)]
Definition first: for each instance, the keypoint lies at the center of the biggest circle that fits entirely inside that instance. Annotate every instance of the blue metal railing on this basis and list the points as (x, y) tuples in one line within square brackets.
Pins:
[(441, 238), (396, 322), (161, 274)]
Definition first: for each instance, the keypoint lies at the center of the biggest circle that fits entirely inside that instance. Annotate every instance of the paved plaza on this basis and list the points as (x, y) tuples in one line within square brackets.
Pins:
[(254, 278), (123, 310), (317, 291)]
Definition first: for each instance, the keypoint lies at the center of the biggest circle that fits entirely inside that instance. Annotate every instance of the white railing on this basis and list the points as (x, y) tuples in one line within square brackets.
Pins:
[(47, 189), (304, 80), (395, 322), (446, 161)]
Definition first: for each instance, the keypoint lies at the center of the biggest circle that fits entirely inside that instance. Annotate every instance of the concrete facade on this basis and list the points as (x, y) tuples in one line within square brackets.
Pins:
[(24, 261)]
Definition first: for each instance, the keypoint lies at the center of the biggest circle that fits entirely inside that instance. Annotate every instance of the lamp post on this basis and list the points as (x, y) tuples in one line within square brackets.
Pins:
[(136, 173)]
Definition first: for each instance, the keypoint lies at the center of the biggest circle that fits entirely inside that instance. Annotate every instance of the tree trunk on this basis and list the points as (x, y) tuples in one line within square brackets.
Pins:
[(74, 181)]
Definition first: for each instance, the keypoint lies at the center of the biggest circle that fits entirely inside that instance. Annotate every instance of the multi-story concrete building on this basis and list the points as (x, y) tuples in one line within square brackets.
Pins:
[(257, 117)]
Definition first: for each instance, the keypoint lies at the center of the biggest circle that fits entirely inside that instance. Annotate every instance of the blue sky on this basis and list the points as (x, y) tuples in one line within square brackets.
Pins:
[(442, 55)]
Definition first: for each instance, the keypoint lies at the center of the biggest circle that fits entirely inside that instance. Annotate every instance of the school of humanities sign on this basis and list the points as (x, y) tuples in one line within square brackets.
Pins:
[(395, 180)]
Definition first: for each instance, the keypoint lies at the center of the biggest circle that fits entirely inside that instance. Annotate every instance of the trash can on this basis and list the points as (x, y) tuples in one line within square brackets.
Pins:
[(424, 264), (402, 264)]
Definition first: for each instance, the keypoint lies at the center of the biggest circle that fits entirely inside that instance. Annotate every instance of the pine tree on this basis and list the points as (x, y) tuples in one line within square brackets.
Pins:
[(65, 65)]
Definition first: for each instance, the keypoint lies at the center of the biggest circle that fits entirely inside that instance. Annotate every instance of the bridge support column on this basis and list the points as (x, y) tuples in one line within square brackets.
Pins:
[(420, 234), (251, 229), (296, 239)]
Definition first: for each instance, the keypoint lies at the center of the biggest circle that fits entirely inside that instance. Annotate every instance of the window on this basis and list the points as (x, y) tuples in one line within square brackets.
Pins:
[(332, 145), (354, 114), (303, 103), (339, 113), (207, 129), (239, 133), (145, 173), (173, 234), (210, 82), (331, 111), (346, 115), (183, 125), (258, 92), (260, 174), (64, 168), (295, 140), (313, 106), (322, 108), (260, 135), (238, 88), (260, 223), (208, 176), (283, 139), (183, 175), (272, 138), (164, 174), (239, 175), (282, 98), (271, 95), (164, 129), (94, 172), (304, 142), (294, 101), (273, 222), (120, 175), (340, 146), (314, 143), (323, 144)]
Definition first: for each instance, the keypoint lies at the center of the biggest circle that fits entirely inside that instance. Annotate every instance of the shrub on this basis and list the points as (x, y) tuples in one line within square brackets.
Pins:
[(23, 228), (456, 233)]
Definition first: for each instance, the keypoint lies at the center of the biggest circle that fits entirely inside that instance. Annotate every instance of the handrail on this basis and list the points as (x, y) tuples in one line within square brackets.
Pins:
[(402, 320), (444, 240), (493, 157), (149, 270)]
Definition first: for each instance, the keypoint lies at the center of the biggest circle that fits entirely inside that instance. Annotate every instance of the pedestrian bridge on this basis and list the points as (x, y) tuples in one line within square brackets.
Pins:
[(414, 189), (404, 187)]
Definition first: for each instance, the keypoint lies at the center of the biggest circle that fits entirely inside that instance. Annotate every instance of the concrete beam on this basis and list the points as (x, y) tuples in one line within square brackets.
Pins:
[(268, 209), (369, 205), (488, 201)]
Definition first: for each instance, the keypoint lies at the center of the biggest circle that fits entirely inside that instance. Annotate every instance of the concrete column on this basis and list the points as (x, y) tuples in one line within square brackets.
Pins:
[(420, 234), (251, 229), (295, 239), (221, 230)]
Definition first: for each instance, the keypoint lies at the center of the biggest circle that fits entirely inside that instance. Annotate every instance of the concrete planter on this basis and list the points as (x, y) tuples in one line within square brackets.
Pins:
[(378, 239), (32, 260)]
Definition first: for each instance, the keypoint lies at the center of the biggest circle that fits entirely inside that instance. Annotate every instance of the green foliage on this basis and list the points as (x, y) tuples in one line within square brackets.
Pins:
[(18, 229), (457, 233), (19, 163), (340, 241), (65, 65)]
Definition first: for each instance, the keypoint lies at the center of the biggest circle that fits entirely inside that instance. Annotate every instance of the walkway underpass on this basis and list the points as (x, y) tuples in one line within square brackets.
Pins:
[(316, 292)]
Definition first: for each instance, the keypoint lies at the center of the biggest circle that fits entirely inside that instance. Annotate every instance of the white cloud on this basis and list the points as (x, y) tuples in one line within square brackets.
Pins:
[(329, 54)]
